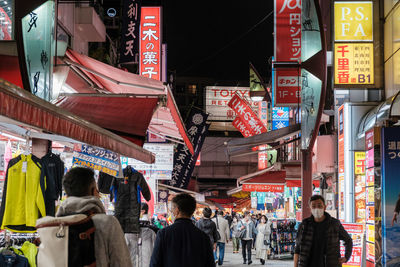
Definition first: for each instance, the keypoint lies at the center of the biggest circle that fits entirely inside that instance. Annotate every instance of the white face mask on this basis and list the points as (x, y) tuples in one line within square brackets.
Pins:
[(317, 213)]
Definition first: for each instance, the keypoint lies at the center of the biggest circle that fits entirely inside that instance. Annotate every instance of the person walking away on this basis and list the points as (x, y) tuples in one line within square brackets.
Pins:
[(148, 233), (235, 235), (318, 239), (182, 243), (83, 198), (262, 240), (209, 227), (247, 229), (224, 233)]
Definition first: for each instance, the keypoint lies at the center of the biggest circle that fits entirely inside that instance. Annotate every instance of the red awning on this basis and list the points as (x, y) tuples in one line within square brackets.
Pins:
[(165, 120), (21, 106), (296, 182), (125, 115)]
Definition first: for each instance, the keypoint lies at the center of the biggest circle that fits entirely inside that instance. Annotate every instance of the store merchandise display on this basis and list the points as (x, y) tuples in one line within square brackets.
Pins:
[(283, 238)]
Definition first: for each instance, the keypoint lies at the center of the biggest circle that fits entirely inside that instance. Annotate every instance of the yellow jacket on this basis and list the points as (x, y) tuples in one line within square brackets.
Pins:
[(23, 201)]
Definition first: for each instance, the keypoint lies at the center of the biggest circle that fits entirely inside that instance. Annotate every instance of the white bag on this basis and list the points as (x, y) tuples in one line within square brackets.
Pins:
[(53, 233)]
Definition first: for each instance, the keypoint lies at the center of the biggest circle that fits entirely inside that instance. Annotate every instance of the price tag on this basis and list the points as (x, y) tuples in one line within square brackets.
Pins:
[(24, 166)]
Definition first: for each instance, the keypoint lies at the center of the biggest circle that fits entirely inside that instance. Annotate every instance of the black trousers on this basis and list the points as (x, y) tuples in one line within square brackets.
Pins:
[(246, 245)]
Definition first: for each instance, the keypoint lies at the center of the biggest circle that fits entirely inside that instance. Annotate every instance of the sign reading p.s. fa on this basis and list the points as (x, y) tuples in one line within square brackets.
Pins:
[(353, 21)]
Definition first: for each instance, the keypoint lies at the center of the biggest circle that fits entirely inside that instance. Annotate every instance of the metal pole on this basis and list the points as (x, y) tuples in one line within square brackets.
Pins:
[(306, 178)]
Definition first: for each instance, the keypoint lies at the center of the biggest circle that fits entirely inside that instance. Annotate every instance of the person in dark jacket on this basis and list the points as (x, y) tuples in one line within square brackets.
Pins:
[(208, 226), (182, 244), (318, 239)]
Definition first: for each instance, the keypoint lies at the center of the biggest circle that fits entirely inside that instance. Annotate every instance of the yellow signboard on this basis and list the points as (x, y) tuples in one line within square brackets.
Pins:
[(353, 21), (354, 63), (359, 163)]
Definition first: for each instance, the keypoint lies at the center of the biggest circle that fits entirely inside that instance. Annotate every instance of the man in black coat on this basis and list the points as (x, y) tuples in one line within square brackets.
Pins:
[(318, 239), (182, 244)]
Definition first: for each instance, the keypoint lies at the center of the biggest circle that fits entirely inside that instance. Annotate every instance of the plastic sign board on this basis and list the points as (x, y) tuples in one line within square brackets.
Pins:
[(218, 97), (356, 231), (129, 30), (278, 188), (287, 15), (354, 63), (353, 21), (150, 42), (246, 114), (287, 87)]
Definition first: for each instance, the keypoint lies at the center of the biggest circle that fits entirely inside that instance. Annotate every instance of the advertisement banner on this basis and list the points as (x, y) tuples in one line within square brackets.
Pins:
[(277, 188), (287, 87), (287, 21), (280, 117), (150, 42), (356, 231), (242, 127), (184, 162), (267, 158), (162, 168), (354, 63), (130, 30), (390, 149), (218, 97), (96, 158), (5, 25), (370, 253), (341, 161), (353, 21), (370, 177), (247, 115)]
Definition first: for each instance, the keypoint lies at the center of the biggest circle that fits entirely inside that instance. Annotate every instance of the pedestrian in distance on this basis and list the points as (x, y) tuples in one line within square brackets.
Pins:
[(235, 235), (224, 233), (247, 230), (318, 239), (209, 227), (262, 240), (182, 244)]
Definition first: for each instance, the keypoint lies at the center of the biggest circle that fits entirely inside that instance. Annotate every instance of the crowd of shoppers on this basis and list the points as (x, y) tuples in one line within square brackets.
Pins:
[(187, 242)]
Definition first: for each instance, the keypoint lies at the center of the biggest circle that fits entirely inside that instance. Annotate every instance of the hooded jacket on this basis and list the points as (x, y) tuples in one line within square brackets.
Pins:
[(127, 206), (109, 240), (208, 227), (334, 233)]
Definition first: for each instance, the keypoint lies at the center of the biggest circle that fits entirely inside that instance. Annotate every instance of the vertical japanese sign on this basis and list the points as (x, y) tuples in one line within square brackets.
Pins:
[(341, 161), (390, 148), (354, 63), (130, 30), (242, 127), (359, 187), (184, 162), (247, 115), (39, 46), (287, 15), (356, 231), (150, 42), (370, 198)]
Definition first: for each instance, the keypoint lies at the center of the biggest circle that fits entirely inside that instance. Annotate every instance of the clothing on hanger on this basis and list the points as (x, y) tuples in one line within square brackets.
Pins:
[(23, 199), (53, 170)]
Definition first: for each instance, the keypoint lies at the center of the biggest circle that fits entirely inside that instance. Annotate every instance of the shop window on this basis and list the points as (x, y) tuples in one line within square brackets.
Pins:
[(6, 20)]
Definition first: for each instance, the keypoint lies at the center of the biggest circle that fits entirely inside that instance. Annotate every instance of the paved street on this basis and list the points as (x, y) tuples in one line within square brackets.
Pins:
[(235, 260)]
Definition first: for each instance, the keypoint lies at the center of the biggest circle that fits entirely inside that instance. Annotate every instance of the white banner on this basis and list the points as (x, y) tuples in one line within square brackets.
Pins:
[(217, 98)]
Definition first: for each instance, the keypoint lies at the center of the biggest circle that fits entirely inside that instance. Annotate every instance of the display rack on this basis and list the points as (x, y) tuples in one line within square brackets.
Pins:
[(283, 238)]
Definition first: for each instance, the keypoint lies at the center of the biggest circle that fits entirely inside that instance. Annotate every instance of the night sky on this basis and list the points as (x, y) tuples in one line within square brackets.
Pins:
[(195, 31)]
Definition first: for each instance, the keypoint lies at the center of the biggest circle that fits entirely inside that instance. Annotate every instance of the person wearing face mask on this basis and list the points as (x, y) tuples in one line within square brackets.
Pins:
[(318, 239), (262, 240), (235, 235), (182, 243), (83, 198), (247, 229)]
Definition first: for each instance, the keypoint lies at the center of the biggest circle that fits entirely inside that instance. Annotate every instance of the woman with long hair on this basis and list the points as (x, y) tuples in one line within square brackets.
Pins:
[(262, 240)]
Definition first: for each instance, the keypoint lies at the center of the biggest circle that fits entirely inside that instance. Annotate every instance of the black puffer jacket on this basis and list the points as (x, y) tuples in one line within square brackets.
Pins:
[(127, 207), (334, 233), (208, 227)]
